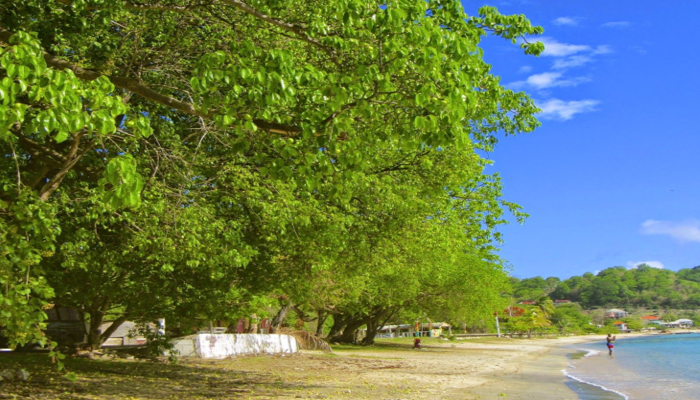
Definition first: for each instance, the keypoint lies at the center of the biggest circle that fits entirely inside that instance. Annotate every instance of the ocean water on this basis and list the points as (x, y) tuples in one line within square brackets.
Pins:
[(650, 367)]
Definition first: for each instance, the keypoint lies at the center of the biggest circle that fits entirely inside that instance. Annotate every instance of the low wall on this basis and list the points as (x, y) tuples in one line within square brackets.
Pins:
[(220, 346)]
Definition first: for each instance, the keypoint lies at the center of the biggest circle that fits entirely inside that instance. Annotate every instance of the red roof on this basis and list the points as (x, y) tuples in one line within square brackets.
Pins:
[(650, 318), (618, 323)]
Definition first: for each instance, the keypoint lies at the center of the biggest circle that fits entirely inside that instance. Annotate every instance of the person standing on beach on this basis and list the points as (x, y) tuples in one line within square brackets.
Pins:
[(610, 339)]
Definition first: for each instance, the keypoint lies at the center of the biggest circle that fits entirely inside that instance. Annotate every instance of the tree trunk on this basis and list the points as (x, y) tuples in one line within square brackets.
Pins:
[(339, 322), (374, 322), (94, 335), (322, 316), (348, 334), (372, 330), (286, 306), (112, 328)]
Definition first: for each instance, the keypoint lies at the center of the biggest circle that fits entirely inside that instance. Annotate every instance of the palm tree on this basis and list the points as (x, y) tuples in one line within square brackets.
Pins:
[(545, 306)]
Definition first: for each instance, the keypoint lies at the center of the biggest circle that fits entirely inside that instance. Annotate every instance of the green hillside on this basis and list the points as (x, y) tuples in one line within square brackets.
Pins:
[(642, 287)]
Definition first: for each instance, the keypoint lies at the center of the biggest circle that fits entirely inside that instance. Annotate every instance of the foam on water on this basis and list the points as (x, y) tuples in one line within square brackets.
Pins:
[(589, 390), (592, 393)]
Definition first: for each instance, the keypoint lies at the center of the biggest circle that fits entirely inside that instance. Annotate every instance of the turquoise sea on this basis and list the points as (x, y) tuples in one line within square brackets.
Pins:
[(650, 367)]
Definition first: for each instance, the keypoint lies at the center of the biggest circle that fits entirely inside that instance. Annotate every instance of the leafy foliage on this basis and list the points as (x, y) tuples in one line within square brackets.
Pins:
[(184, 159), (644, 287)]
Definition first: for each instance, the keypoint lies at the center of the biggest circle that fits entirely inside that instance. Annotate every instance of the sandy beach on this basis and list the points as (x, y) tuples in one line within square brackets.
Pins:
[(470, 369), (466, 369)]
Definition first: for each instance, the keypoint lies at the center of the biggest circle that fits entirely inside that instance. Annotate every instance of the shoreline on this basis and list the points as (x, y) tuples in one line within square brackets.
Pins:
[(535, 368), (630, 374), (541, 377), (469, 369)]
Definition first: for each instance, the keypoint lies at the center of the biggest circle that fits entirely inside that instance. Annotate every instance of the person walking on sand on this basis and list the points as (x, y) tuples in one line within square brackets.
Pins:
[(610, 339)]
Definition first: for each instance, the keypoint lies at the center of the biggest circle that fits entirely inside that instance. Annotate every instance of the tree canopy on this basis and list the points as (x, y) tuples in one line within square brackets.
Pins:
[(643, 286), (180, 157)]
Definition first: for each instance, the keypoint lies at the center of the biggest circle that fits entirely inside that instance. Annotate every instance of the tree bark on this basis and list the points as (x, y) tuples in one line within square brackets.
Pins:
[(339, 322), (286, 306), (348, 333), (374, 323), (321, 320), (372, 329), (93, 334)]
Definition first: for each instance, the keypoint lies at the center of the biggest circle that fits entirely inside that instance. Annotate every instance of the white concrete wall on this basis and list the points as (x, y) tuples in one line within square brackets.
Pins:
[(220, 346)]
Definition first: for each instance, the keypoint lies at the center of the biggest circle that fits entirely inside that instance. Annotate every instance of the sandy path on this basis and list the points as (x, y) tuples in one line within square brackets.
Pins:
[(469, 369)]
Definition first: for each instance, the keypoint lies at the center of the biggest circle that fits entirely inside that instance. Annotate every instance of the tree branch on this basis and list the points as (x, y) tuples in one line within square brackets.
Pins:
[(130, 84), (138, 7), (73, 157), (143, 90), (297, 30)]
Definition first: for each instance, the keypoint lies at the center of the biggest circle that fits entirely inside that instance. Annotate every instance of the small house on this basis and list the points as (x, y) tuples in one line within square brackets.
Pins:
[(616, 313), (430, 329), (392, 331), (680, 323), (657, 323)]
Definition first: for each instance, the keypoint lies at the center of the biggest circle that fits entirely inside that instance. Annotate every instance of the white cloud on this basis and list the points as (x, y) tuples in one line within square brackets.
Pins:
[(685, 231), (525, 69), (565, 110), (573, 61), (565, 21), (553, 48), (548, 80), (653, 264), (543, 80), (603, 49), (616, 24)]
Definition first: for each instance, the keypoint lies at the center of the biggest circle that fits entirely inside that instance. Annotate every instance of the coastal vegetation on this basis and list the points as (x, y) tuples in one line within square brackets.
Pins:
[(209, 160), (640, 287), (641, 291)]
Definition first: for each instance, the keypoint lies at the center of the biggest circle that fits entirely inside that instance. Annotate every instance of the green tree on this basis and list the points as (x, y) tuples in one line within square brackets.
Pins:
[(107, 105), (532, 320), (633, 323), (569, 318), (530, 288)]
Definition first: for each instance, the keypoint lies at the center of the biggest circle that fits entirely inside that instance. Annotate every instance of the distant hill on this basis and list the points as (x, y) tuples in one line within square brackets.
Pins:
[(643, 286)]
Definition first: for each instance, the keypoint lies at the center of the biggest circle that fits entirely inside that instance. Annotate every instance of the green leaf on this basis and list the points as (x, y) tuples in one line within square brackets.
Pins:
[(61, 136)]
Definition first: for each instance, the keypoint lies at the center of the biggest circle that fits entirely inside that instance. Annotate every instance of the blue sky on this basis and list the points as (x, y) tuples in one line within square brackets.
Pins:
[(611, 177)]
